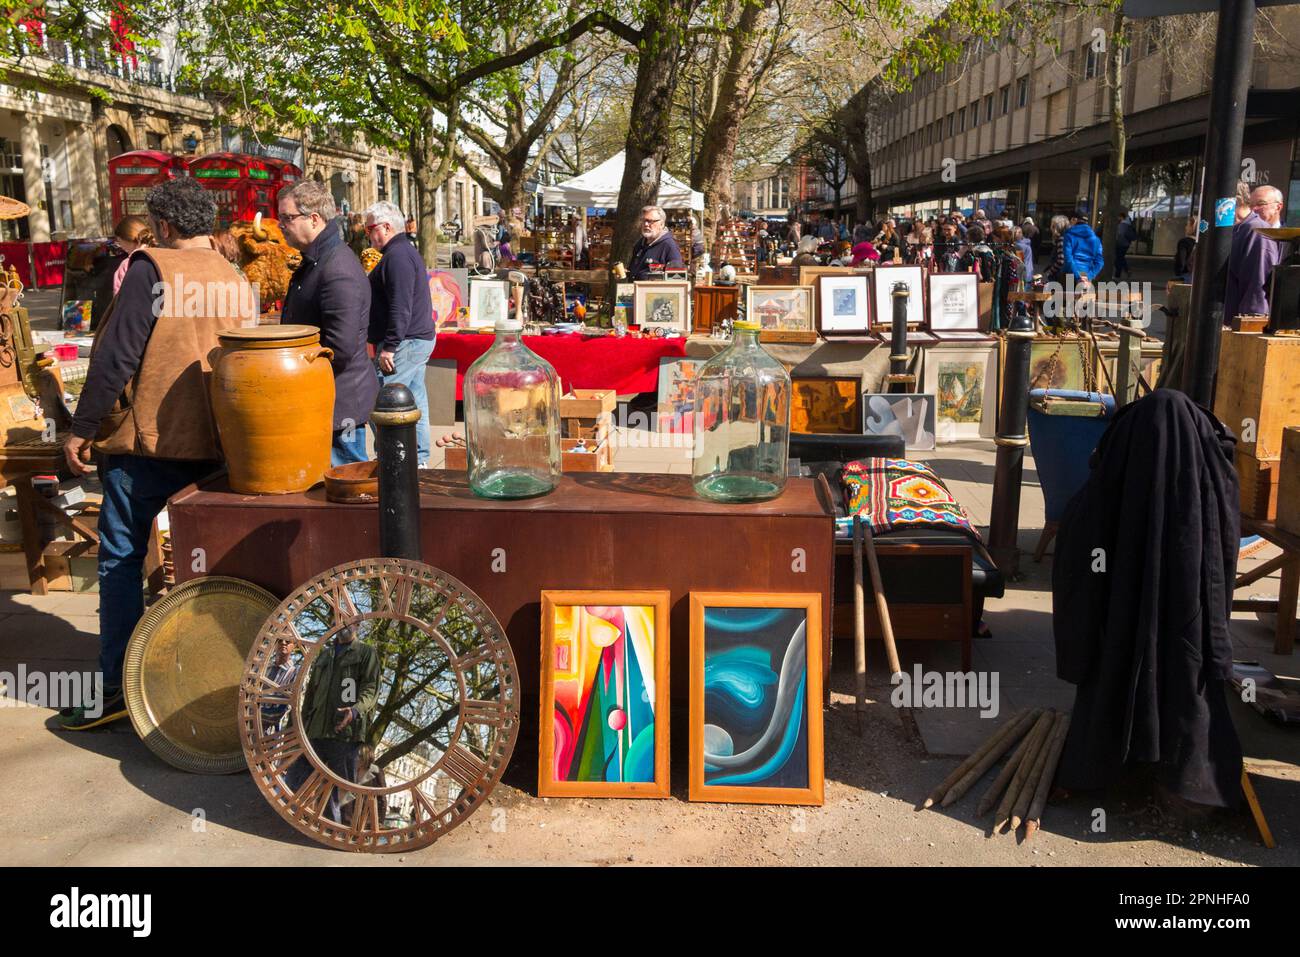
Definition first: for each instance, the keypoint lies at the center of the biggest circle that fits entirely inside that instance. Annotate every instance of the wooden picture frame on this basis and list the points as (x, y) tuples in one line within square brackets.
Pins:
[(883, 278), (650, 294), (952, 371), (763, 305), (564, 649), (808, 275), (1076, 375), (484, 308), (817, 404), (807, 783), (850, 317)]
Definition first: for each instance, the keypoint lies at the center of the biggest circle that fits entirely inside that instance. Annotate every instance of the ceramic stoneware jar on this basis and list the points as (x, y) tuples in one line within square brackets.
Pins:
[(273, 397)]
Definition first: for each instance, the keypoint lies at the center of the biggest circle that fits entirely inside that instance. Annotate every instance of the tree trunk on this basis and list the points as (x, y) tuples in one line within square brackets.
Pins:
[(431, 162), (1118, 146), (865, 210), (658, 59), (717, 154)]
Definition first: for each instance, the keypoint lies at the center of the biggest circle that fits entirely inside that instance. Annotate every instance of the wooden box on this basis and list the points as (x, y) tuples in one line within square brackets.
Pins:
[(602, 460), (1288, 484), (1258, 479), (587, 403), (711, 305), (1258, 390)]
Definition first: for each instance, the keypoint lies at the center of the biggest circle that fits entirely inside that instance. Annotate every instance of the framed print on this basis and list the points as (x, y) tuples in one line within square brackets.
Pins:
[(826, 404), (448, 289), (964, 382), (666, 305), (843, 305), (1148, 365), (604, 713), (909, 415), (1061, 363), (785, 313), (954, 311), (883, 280), (676, 406), (489, 300), (756, 715)]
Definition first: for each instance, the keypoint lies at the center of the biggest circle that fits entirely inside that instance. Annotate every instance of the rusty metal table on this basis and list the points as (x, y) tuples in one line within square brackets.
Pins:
[(606, 531)]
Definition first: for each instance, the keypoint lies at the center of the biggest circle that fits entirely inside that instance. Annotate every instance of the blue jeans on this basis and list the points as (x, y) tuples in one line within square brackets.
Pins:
[(344, 450), (135, 490), (409, 363)]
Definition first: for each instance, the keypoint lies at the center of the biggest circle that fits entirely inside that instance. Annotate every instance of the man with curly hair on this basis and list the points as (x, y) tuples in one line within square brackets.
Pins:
[(145, 407)]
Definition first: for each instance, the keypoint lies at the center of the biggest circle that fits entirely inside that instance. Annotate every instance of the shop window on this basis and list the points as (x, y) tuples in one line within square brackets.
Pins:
[(11, 155), (381, 183), (153, 141), (961, 120), (1092, 62), (988, 108), (975, 114), (1022, 92), (1004, 96)]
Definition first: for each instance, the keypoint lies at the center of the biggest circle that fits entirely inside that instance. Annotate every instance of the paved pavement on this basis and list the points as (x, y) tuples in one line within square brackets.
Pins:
[(102, 798)]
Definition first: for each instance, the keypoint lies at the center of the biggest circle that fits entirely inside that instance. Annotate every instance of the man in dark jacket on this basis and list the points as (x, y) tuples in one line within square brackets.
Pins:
[(329, 290), (401, 311), (656, 247)]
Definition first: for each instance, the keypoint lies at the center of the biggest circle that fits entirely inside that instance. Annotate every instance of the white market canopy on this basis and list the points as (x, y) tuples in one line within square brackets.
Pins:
[(599, 187)]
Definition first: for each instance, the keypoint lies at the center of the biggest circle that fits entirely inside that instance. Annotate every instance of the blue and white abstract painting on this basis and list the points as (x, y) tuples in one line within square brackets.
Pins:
[(755, 697)]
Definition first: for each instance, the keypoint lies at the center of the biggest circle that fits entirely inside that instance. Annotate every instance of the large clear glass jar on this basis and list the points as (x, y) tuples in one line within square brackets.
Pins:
[(512, 419), (742, 422)]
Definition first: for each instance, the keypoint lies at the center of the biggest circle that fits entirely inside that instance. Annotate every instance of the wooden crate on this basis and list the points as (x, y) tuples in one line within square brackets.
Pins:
[(1258, 480), (587, 403), (1258, 390), (1288, 484), (601, 460)]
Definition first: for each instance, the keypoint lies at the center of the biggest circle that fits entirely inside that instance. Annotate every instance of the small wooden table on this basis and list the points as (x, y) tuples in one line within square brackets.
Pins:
[(18, 463), (1289, 563)]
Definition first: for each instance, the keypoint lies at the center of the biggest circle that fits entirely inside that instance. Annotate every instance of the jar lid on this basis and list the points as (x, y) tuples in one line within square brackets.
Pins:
[(270, 332), (747, 325), (508, 324)]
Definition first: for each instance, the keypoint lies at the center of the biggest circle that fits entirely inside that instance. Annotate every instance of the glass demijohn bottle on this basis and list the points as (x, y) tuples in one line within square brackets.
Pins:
[(742, 422), (512, 419)]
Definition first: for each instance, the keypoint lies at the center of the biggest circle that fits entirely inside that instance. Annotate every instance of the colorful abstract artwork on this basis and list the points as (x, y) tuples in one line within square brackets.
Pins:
[(755, 698), (604, 723)]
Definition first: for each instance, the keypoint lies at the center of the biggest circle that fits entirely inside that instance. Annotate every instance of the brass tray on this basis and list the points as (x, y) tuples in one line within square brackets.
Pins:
[(183, 666)]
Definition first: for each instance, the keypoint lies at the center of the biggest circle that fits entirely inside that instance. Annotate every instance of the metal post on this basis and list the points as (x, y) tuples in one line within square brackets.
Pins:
[(899, 380), (1233, 58), (1013, 436), (395, 416)]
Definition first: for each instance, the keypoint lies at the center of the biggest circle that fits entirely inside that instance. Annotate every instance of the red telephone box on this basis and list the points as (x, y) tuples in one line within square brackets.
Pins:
[(243, 185), (283, 175), (131, 175)]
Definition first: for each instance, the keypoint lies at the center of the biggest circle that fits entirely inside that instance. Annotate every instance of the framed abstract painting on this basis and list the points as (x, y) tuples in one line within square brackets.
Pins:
[(756, 698), (604, 714)]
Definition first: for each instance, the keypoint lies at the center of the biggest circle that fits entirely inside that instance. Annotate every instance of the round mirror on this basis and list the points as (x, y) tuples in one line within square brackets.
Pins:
[(379, 705)]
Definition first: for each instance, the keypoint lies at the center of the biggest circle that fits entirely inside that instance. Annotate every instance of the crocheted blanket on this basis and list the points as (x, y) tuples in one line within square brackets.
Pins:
[(897, 493)]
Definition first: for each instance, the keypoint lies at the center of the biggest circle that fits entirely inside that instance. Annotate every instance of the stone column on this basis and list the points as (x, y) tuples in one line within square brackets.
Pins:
[(87, 218), (98, 132), (39, 219), (139, 129)]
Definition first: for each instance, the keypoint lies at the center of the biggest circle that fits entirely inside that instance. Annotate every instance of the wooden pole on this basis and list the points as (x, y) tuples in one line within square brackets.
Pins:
[(1044, 788), (999, 785), (1035, 742), (963, 769), (882, 607), (1015, 730), (1026, 796), (859, 623)]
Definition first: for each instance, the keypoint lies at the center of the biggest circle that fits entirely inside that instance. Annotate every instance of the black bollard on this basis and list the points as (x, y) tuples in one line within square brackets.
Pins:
[(395, 416), (1012, 437), (899, 381)]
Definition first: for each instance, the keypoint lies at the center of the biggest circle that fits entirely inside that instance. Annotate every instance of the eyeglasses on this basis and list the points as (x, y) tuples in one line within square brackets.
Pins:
[(651, 222), (1265, 202), (373, 226), (289, 217)]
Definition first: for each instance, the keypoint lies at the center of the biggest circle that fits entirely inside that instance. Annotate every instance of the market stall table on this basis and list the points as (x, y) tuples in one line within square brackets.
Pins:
[(596, 531), (626, 365)]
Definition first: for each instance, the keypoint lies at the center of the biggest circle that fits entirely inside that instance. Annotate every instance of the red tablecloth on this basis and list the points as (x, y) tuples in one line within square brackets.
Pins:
[(625, 365)]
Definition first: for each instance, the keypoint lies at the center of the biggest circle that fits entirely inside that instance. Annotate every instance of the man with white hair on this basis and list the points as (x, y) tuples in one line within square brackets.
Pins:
[(656, 250), (401, 311), (1253, 256)]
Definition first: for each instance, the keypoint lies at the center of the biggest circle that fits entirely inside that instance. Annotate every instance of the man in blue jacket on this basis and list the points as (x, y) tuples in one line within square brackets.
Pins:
[(329, 290), (401, 311), (1082, 249)]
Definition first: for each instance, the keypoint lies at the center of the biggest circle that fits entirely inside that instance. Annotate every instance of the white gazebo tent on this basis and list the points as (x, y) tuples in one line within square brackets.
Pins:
[(599, 187)]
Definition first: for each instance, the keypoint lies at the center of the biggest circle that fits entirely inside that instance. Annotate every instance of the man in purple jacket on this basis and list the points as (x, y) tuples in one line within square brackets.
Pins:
[(401, 311), (1253, 256)]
